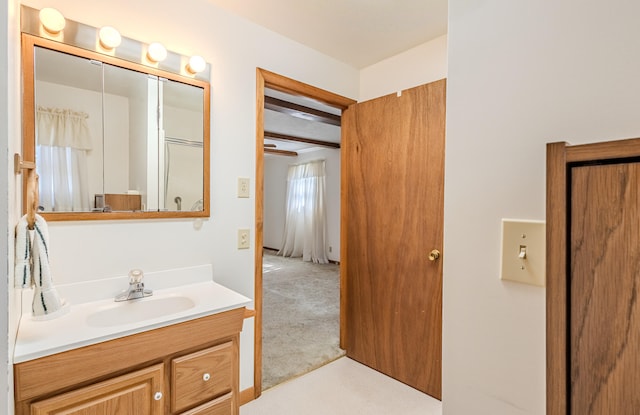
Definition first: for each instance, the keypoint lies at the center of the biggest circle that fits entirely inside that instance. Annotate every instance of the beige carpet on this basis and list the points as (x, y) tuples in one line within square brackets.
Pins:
[(301, 317)]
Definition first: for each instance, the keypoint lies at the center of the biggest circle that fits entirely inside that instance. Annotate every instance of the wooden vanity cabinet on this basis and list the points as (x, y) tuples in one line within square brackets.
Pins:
[(189, 368)]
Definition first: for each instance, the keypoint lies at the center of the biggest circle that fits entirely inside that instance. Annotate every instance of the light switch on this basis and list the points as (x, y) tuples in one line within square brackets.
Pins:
[(523, 251)]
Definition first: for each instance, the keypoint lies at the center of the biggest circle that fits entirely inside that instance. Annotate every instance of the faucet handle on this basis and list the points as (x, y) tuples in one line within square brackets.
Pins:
[(135, 276)]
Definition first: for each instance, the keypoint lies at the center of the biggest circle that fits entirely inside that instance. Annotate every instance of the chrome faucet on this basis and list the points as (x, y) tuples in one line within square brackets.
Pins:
[(136, 287)]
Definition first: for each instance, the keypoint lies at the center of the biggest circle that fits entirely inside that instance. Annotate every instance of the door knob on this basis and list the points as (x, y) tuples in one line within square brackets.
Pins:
[(433, 255)]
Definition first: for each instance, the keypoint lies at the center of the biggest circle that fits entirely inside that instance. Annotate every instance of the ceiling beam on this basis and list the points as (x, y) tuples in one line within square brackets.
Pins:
[(281, 152), (300, 111), (284, 137)]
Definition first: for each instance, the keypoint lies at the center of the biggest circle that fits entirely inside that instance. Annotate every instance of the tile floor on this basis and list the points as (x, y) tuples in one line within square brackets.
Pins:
[(343, 387)]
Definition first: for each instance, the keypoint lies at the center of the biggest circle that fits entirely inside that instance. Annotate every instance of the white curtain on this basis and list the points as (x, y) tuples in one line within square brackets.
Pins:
[(62, 143), (305, 223)]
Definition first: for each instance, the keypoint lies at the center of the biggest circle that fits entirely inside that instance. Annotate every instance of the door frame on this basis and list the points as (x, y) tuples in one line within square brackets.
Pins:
[(559, 156), (268, 79)]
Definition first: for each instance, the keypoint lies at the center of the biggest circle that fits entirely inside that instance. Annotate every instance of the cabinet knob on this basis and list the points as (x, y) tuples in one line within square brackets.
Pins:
[(206, 377), (157, 396), (433, 255)]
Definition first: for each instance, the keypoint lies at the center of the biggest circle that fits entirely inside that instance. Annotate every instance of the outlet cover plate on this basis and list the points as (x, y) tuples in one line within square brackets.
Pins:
[(243, 187), (243, 239)]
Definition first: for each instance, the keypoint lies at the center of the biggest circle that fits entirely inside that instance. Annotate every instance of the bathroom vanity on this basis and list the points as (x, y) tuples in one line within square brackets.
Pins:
[(169, 361)]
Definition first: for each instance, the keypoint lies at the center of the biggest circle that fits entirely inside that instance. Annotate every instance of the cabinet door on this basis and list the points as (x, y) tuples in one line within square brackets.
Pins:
[(201, 376), (133, 393)]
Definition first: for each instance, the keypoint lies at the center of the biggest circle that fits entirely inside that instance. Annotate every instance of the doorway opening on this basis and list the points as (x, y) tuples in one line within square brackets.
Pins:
[(269, 86)]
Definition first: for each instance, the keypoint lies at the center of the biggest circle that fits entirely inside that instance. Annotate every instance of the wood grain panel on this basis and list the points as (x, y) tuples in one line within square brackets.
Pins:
[(221, 406), (123, 202), (190, 388), (127, 394), (603, 151), (605, 288), (395, 175), (556, 284)]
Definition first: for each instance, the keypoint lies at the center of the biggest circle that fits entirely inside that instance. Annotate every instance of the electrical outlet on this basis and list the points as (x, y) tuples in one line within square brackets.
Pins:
[(243, 239), (243, 187)]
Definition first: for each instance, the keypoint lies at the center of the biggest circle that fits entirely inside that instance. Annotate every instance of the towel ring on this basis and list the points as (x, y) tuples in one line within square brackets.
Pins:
[(32, 197), (32, 187)]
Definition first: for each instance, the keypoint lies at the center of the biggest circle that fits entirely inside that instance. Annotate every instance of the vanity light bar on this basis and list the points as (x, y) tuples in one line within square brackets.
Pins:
[(108, 40)]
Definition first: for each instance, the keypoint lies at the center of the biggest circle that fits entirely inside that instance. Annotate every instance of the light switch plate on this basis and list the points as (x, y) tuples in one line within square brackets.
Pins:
[(243, 187), (520, 236)]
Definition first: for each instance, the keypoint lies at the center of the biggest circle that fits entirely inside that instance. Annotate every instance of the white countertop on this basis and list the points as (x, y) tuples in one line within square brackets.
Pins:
[(72, 330)]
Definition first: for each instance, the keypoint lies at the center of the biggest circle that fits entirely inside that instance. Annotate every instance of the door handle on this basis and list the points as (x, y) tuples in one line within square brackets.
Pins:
[(434, 254)]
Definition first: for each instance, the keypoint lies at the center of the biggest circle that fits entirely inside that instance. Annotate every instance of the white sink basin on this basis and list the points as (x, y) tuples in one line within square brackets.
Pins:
[(134, 311)]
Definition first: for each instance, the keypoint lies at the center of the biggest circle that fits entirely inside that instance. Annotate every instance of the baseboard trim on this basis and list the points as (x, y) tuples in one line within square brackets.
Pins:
[(246, 396)]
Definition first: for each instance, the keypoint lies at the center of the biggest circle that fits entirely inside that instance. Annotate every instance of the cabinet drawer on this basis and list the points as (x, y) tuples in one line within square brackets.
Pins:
[(201, 376), (220, 406)]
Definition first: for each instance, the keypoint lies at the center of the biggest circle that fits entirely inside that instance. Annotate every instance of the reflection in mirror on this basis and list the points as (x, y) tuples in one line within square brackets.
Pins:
[(68, 122), (112, 139), (183, 146), (130, 137)]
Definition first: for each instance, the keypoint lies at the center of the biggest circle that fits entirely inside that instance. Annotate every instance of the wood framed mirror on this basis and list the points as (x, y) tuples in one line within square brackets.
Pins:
[(111, 138)]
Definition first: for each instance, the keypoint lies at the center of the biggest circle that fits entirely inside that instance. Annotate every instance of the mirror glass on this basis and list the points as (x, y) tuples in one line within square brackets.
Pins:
[(183, 146), (111, 139)]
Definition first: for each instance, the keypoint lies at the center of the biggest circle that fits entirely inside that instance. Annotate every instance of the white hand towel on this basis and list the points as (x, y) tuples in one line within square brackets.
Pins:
[(46, 301), (23, 255)]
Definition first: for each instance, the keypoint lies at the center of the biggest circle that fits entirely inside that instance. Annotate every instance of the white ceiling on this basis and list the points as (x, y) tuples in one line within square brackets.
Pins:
[(357, 32)]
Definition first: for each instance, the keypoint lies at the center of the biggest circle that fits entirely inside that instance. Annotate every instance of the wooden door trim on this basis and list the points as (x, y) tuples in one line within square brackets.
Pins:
[(556, 268), (559, 155), (268, 79)]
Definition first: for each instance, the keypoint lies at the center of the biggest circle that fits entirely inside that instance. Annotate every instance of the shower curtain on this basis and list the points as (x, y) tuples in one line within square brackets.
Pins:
[(305, 223), (62, 143)]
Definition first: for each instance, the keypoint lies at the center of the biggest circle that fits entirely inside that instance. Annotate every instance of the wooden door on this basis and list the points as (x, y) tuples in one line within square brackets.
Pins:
[(605, 289), (393, 153), (593, 279)]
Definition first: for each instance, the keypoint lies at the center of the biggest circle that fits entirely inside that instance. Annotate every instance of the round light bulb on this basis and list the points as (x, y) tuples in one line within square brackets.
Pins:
[(156, 52), (52, 20), (110, 38), (196, 64)]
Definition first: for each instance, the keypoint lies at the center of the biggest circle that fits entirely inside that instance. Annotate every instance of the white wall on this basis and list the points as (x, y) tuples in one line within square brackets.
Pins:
[(275, 190), (275, 194), (521, 74), (88, 250), (420, 65), (9, 144)]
